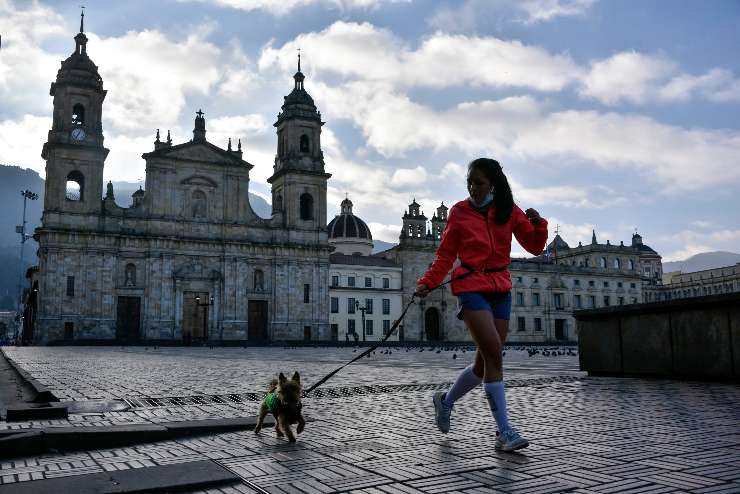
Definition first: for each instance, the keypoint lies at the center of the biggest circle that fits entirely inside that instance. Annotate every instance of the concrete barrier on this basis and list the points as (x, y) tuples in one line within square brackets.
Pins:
[(688, 338)]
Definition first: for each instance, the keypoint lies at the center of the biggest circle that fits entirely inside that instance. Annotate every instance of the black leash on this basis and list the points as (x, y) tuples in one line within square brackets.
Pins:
[(398, 321)]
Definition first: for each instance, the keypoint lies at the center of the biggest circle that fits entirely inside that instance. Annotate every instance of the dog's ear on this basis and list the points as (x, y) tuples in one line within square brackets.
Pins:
[(296, 377), (281, 378)]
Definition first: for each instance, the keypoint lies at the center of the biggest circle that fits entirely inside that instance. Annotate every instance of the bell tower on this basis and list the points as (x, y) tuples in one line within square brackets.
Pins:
[(299, 180), (74, 150)]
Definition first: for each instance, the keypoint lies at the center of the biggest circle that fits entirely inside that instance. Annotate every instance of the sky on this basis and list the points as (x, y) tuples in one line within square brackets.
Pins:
[(605, 115)]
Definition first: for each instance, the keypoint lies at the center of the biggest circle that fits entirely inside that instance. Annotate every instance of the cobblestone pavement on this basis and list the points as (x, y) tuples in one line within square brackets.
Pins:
[(587, 435)]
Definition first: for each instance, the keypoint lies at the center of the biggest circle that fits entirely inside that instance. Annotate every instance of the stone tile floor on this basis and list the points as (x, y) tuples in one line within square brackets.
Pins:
[(587, 435)]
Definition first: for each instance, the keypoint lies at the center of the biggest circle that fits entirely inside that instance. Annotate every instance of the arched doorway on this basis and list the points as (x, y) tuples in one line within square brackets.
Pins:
[(431, 324)]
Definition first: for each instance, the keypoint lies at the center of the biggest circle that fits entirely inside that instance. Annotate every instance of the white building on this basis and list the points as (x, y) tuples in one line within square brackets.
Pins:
[(365, 290)]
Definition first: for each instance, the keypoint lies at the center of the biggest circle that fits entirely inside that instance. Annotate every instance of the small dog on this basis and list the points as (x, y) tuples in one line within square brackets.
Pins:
[(283, 401)]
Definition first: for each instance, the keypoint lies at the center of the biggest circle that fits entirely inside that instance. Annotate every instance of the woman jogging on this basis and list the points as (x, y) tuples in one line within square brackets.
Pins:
[(478, 232)]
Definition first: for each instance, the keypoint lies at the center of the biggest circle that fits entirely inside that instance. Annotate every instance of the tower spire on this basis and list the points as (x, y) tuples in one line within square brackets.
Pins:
[(82, 19), (299, 59)]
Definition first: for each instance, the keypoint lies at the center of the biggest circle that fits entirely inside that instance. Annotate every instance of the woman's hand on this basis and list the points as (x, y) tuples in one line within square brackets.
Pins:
[(533, 215), (421, 290)]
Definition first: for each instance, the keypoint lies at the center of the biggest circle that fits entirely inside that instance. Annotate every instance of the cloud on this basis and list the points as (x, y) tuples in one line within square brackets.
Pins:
[(717, 85), (547, 10), (568, 196), (283, 7), (694, 242), (21, 141), (403, 177), (442, 60), (627, 76), (525, 128), (26, 70)]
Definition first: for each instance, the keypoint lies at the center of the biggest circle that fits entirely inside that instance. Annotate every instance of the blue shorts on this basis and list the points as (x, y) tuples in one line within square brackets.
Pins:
[(498, 303)]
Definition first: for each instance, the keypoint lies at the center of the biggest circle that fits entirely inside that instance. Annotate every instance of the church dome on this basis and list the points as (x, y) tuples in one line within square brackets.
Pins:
[(347, 225), (349, 234)]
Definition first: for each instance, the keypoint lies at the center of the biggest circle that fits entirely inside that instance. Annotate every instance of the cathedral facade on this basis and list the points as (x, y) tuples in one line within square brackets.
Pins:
[(189, 259)]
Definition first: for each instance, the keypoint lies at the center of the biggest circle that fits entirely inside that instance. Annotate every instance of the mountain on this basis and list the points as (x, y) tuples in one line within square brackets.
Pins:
[(380, 246), (700, 262)]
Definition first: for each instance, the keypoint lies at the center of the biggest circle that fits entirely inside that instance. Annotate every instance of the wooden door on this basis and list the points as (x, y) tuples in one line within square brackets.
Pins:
[(194, 316), (431, 324), (128, 318), (257, 320)]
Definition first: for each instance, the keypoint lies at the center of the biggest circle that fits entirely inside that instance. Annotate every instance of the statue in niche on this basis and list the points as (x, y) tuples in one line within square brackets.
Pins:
[(130, 278), (199, 204)]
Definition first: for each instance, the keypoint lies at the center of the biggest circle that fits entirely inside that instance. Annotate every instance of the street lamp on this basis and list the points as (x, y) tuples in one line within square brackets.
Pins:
[(205, 306), (21, 229), (362, 310)]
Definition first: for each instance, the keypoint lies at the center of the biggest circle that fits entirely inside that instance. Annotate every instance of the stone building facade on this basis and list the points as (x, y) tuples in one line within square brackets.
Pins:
[(699, 283), (189, 259), (545, 289)]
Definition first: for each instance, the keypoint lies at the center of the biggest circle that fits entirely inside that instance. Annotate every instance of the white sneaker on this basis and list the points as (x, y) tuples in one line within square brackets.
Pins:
[(510, 440)]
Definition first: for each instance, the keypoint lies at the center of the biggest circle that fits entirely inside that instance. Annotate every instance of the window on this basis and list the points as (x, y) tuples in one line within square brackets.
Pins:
[(591, 283), (519, 298), (537, 324), (350, 281), (368, 282), (631, 265), (619, 284), (369, 305), (647, 270), (350, 305), (386, 283), (576, 282), (535, 281), (558, 300), (386, 306), (304, 144), (577, 301), (306, 206), (259, 280), (335, 281), (198, 204), (632, 285), (130, 275), (621, 300), (520, 325), (591, 301), (633, 300), (386, 326), (606, 300), (70, 286), (334, 331), (606, 284), (306, 293), (351, 326), (78, 114), (335, 305), (617, 264), (535, 299), (602, 262), (518, 279), (75, 188), (369, 327)]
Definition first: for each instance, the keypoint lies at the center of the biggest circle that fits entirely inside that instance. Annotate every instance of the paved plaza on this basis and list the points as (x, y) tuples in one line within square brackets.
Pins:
[(371, 428)]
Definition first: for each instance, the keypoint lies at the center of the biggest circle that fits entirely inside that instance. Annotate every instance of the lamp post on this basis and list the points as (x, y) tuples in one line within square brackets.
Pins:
[(205, 306), (362, 311), (21, 229)]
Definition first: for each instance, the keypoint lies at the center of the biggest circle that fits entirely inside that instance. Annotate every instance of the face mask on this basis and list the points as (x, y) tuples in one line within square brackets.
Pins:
[(486, 200)]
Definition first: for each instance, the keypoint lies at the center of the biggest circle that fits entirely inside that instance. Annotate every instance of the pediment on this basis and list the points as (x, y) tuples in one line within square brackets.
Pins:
[(199, 180), (199, 153), (196, 270)]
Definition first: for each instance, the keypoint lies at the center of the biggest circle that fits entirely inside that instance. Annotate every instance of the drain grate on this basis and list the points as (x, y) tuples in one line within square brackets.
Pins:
[(337, 392)]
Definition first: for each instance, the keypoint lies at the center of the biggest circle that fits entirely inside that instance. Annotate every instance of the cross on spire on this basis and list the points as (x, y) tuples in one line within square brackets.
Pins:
[(82, 19), (299, 59), (199, 113), (557, 229)]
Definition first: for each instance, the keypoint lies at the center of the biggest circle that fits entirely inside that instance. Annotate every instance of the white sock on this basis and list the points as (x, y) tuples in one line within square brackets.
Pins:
[(497, 401), (466, 381)]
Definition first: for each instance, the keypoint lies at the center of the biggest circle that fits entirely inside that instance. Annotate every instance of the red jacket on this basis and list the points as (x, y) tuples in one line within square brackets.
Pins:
[(481, 243)]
